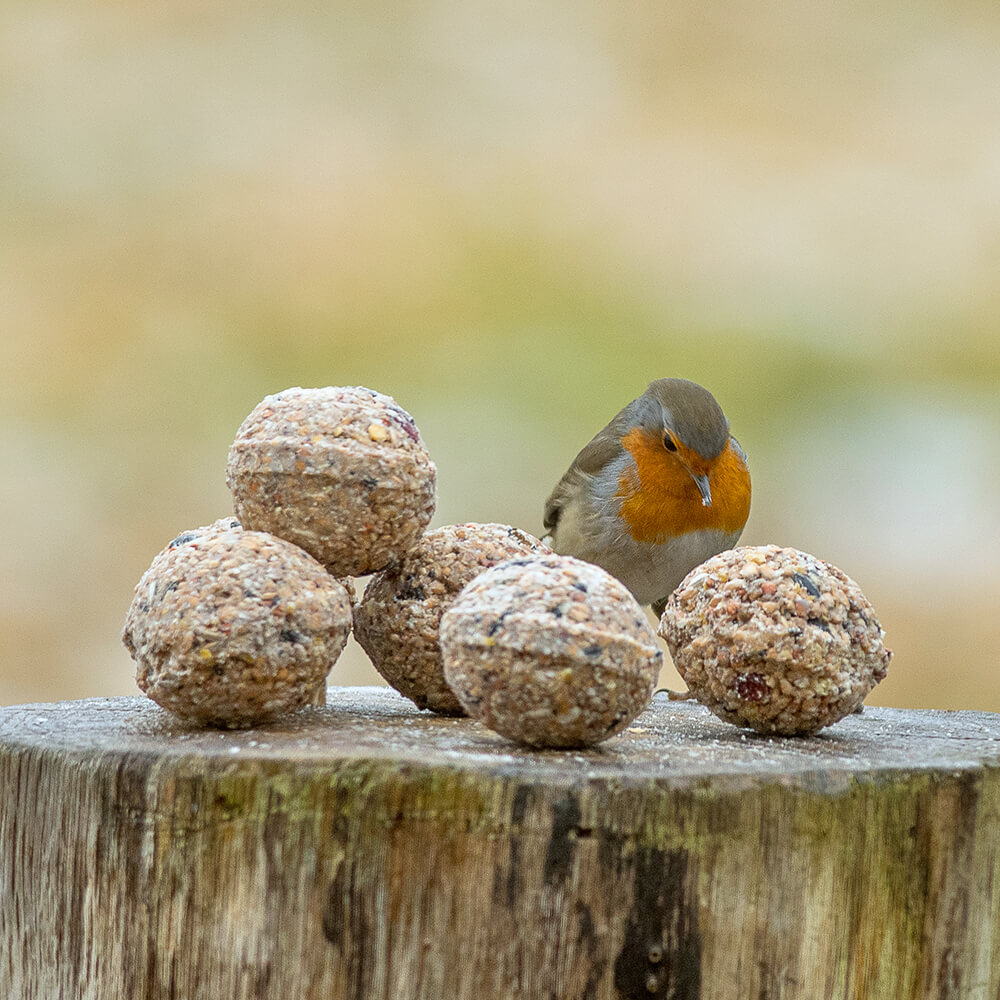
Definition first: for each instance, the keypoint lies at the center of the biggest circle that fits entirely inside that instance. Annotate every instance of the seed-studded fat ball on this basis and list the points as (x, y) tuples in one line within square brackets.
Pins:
[(340, 471), (398, 619), (549, 651), (233, 628), (774, 639)]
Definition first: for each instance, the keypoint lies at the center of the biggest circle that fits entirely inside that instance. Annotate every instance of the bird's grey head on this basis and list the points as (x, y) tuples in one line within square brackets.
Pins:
[(690, 412)]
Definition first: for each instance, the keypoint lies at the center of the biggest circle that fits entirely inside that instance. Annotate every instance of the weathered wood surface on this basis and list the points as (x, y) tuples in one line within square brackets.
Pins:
[(366, 851)]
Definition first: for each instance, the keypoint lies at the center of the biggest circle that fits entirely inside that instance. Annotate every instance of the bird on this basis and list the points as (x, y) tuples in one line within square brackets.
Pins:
[(663, 487)]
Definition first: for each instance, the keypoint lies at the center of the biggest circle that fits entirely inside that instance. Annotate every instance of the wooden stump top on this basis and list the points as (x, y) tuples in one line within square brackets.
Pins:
[(673, 742)]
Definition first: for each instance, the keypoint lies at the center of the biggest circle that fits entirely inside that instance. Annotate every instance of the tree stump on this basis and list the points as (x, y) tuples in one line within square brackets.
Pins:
[(366, 850)]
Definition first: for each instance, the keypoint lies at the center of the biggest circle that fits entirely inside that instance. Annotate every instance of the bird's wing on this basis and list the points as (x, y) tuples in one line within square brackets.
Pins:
[(594, 456)]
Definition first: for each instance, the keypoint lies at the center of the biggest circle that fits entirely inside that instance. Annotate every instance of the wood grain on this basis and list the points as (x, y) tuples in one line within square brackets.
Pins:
[(366, 850)]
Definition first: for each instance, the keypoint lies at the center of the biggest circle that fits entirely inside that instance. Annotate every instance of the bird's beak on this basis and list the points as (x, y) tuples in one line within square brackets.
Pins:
[(704, 489)]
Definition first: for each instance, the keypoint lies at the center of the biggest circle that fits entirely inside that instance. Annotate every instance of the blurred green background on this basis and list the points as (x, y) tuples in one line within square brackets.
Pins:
[(510, 217)]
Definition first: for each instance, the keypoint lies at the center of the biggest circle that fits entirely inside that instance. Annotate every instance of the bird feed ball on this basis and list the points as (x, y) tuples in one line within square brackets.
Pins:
[(774, 639), (549, 651), (398, 619), (340, 471), (233, 628)]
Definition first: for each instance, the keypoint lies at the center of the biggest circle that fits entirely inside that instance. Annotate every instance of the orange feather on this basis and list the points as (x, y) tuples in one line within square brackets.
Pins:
[(660, 499)]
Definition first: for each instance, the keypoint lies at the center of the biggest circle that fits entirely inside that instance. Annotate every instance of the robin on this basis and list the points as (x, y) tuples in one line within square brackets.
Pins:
[(662, 488)]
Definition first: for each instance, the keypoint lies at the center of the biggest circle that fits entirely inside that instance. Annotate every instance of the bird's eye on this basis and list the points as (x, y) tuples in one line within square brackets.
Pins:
[(668, 443)]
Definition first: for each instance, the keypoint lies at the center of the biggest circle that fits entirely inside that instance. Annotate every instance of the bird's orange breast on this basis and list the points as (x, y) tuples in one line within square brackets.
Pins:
[(660, 499)]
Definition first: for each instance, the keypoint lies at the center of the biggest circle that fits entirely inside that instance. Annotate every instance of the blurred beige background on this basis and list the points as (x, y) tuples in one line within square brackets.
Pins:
[(510, 217)]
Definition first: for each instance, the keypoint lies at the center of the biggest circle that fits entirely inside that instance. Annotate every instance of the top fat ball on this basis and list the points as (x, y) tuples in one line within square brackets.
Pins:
[(340, 471)]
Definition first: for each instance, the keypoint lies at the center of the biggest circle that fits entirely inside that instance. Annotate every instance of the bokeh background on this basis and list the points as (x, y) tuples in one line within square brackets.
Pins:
[(510, 217)]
